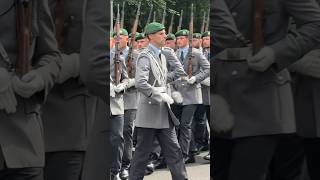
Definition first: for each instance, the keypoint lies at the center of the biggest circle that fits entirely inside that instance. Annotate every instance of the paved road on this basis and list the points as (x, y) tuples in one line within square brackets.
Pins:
[(196, 171)]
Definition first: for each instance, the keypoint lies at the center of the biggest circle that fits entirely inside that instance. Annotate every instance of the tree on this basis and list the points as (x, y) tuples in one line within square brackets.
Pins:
[(172, 7)]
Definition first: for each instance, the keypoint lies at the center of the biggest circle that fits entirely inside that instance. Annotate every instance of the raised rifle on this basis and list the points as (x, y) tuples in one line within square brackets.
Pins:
[(149, 16), (122, 14), (111, 15), (62, 21), (117, 50), (203, 22), (190, 43), (164, 14), (180, 21), (154, 16), (130, 65), (258, 39), (207, 22), (24, 21), (171, 24)]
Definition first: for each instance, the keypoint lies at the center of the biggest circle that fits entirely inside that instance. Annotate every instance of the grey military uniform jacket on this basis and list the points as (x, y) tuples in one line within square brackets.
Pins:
[(261, 103), (117, 102), (206, 89), (131, 95), (192, 94), (21, 133), (152, 111), (66, 130), (94, 55)]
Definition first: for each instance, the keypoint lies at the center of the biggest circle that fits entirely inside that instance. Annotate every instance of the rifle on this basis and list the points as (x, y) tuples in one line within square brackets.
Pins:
[(117, 48), (190, 43), (258, 40), (154, 16), (24, 21), (133, 39), (122, 14), (208, 20), (149, 17), (180, 21), (164, 15), (62, 21), (171, 24), (111, 17), (203, 23)]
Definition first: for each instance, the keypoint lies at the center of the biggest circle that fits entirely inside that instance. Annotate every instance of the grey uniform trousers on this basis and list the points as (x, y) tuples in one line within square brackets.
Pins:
[(129, 117), (169, 146)]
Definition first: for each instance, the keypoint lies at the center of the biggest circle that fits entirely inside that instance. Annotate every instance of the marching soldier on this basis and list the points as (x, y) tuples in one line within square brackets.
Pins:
[(29, 65), (152, 115), (191, 90), (66, 132), (171, 41), (117, 103), (251, 85), (142, 41), (94, 72)]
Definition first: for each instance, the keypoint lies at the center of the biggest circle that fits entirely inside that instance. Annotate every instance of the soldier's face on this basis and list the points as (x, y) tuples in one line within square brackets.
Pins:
[(123, 41), (111, 42), (158, 39), (182, 41), (142, 43), (171, 44), (206, 42), (196, 43)]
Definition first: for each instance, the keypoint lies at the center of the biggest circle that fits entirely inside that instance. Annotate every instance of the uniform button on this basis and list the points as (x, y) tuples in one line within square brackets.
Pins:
[(234, 14), (235, 72), (280, 78), (149, 102)]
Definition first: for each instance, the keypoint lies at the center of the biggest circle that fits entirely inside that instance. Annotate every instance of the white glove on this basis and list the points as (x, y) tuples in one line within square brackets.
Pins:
[(112, 92), (191, 80), (177, 97), (206, 81), (166, 98), (119, 88), (29, 84), (131, 83)]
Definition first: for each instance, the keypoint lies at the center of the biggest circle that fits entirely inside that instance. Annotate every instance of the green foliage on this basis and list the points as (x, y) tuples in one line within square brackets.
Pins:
[(172, 7)]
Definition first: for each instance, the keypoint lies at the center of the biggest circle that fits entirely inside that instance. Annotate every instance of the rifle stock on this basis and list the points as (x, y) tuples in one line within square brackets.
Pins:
[(258, 39), (24, 20), (190, 43), (130, 65), (117, 53)]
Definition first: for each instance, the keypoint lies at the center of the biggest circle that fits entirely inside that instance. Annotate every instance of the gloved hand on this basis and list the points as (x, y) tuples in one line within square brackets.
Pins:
[(112, 92), (166, 98), (8, 101), (119, 88), (262, 60), (206, 81), (29, 84), (177, 97), (131, 83), (69, 67), (191, 80)]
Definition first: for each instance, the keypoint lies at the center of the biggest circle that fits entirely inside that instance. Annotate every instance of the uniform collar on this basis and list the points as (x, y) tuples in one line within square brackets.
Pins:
[(156, 50)]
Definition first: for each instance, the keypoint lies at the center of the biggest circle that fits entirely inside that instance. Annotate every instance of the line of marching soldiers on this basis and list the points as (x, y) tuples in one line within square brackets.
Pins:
[(156, 83)]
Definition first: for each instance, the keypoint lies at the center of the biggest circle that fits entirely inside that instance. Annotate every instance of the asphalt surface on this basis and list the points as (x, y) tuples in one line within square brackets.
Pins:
[(200, 170)]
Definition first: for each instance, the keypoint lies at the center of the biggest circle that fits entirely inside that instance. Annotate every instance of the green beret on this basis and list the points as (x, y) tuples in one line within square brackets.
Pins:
[(123, 32), (171, 36), (197, 35), (140, 36), (206, 34), (154, 27), (182, 32)]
